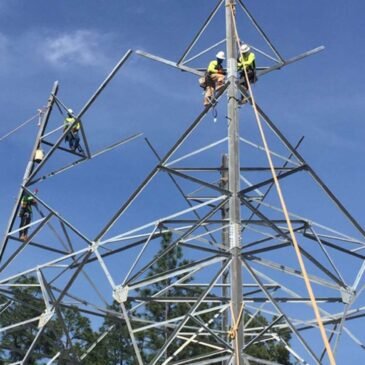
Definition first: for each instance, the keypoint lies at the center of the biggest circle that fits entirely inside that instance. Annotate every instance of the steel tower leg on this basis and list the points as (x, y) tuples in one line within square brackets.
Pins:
[(234, 185), (225, 242), (30, 167)]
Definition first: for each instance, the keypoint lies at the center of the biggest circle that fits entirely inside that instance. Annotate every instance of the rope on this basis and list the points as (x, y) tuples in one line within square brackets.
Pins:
[(39, 112), (232, 333), (286, 214)]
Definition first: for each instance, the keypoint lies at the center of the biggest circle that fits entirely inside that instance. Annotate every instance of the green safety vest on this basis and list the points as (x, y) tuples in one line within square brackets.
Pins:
[(27, 202)]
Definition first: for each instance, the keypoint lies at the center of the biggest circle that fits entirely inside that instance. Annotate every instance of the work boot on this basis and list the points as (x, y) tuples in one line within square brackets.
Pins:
[(243, 100), (23, 237)]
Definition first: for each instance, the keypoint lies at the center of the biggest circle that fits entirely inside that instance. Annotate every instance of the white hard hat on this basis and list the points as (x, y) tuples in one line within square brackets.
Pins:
[(70, 111), (220, 55), (244, 48)]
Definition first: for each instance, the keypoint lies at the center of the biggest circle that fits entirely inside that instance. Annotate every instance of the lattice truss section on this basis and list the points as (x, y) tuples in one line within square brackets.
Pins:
[(122, 262)]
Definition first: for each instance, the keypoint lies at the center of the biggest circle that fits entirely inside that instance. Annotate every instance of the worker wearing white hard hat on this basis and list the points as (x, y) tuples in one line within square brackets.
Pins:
[(72, 136), (214, 78), (246, 62), (220, 55), (245, 48)]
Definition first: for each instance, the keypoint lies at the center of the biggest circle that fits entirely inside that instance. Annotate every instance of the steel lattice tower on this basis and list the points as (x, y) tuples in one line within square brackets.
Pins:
[(228, 224)]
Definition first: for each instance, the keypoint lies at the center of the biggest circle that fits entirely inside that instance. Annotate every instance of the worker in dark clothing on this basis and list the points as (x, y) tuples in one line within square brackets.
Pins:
[(25, 214), (246, 61), (72, 137), (214, 79)]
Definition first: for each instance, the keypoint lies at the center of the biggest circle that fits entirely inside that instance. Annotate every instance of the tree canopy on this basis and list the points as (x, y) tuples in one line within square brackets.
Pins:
[(71, 333)]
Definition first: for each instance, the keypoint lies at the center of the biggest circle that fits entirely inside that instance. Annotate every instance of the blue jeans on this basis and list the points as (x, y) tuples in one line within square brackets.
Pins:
[(73, 140)]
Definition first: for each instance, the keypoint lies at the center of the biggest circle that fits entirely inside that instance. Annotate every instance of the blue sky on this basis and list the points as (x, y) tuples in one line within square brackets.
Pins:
[(78, 43)]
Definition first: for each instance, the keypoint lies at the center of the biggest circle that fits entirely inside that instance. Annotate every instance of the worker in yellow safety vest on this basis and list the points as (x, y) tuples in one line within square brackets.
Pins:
[(214, 78), (72, 137), (246, 61)]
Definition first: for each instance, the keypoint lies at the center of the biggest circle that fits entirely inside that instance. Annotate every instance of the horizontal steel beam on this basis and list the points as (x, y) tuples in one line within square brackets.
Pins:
[(173, 299), (170, 63)]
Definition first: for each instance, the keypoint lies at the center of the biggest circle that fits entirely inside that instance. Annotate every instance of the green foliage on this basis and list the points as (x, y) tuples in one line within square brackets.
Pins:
[(117, 347), (160, 312), (27, 303), (114, 346), (81, 336), (273, 351)]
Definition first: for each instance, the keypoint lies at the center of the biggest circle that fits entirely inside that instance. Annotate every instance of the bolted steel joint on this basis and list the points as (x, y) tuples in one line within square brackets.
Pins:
[(45, 317), (120, 293), (347, 295)]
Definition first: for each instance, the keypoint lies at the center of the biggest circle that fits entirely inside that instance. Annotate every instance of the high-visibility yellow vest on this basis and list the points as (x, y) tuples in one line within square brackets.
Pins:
[(70, 120), (246, 61), (214, 67)]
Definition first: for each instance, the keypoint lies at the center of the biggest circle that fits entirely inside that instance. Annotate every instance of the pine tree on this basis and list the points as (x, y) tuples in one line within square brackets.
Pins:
[(160, 312), (26, 303), (116, 347), (272, 351)]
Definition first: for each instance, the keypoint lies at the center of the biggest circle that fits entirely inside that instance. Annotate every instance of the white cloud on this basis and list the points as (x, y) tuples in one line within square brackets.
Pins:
[(81, 47)]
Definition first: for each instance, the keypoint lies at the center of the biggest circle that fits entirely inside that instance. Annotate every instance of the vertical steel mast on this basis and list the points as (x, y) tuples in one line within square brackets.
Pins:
[(201, 328), (234, 184)]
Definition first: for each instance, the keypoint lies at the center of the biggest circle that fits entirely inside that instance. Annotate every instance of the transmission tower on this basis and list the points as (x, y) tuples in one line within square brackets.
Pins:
[(248, 254)]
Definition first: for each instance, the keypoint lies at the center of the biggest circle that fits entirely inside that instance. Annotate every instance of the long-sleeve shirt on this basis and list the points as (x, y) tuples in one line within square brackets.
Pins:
[(27, 202), (70, 120), (246, 61), (215, 67)]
